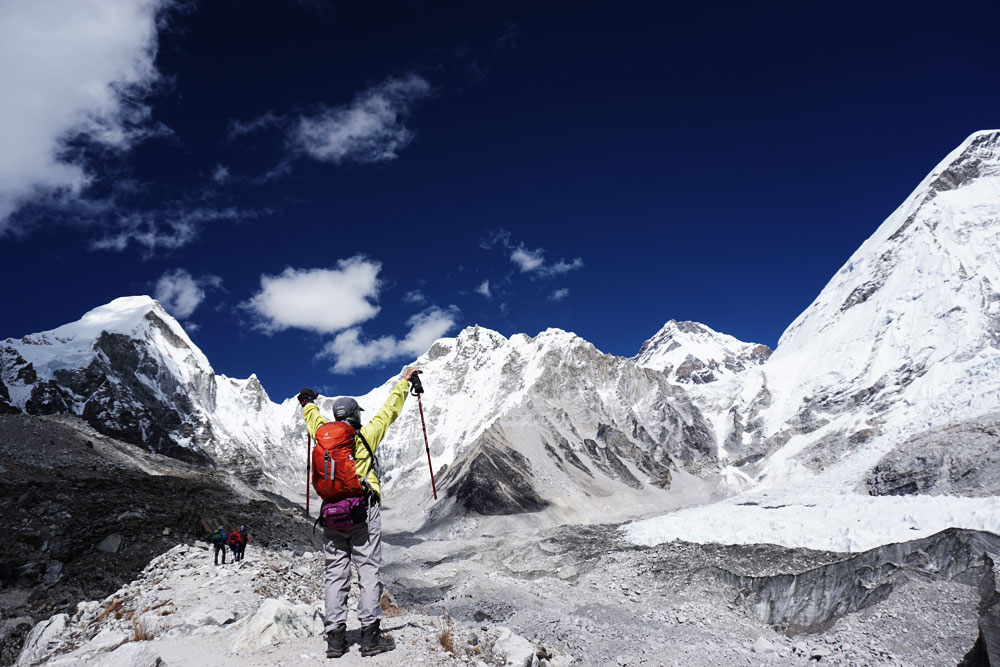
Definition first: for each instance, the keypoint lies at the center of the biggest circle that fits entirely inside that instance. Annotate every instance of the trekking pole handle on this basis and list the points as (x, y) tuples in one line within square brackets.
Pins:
[(416, 386)]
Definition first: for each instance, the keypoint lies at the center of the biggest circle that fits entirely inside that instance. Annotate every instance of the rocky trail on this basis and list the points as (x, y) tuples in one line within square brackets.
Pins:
[(565, 597), (104, 564)]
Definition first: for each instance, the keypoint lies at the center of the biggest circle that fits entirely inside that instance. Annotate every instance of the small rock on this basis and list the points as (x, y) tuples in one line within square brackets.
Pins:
[(110, 544), (819, 652), (222, 616), (762, 645)]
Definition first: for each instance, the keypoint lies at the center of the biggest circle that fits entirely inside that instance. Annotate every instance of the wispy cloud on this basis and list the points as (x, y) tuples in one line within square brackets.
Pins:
[(533, 261), (321, 300), (220, 174), (181, 293), (370, 129), (484, 289), (527, 260), (351, 352), (164, 229), (494, 239), (559, 294), (78, 73), (239, 128), (415, 297)]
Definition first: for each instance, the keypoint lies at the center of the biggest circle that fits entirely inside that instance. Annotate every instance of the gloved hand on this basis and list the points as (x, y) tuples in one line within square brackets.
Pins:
[(307, 395)]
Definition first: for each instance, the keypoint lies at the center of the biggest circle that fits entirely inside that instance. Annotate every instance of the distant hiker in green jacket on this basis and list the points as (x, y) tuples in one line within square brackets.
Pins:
[(218, 538), (352, 524)]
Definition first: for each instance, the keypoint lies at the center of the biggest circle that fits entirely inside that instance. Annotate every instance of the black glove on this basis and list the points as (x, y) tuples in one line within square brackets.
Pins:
[(307, 395)]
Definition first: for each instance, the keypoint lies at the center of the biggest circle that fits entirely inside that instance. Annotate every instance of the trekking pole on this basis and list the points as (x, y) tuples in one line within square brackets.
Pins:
[(308, 456), (416, 389)]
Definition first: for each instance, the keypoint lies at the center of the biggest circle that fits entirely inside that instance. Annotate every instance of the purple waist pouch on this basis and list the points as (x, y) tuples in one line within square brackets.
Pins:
[(346, 514)]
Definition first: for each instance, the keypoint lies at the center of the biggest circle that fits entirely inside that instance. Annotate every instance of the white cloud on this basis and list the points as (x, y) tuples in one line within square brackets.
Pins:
[(369, 129), (351, 352), (74, 70), (322, 300), (528, 260), (484, 289), (559, 294), (181, 293)]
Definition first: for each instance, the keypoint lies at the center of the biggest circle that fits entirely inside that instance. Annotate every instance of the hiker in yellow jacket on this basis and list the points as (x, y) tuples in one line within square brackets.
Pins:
[(362, 544)]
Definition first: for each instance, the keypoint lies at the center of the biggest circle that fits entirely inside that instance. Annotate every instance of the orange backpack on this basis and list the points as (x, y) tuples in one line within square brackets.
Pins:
[(335, 476)]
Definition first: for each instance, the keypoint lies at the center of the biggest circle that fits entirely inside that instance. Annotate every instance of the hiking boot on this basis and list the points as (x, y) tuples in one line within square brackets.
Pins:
[(336, 642), (373, 641)]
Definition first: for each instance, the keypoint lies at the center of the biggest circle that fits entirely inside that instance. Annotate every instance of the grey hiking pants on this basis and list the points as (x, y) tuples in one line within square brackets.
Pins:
[(363, 547)]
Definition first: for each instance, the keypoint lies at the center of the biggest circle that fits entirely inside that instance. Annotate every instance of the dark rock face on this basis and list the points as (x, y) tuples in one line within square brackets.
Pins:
[(813, 599), (5, 406), (115, 399), (494, 480), (658, 469), (960, 459), (80, 517), (607, 461)]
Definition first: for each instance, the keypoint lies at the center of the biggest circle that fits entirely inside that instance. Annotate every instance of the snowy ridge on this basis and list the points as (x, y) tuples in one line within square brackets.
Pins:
[(561, 413), (692, 353)]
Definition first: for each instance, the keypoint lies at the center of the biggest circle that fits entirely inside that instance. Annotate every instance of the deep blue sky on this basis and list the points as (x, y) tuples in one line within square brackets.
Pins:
[(715, 163)]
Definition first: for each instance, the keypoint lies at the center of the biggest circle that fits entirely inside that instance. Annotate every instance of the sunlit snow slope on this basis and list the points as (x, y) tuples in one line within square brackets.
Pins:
[(901, 348)]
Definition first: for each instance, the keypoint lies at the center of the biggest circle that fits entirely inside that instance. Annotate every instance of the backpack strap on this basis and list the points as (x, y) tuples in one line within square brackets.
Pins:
[(375, 464)]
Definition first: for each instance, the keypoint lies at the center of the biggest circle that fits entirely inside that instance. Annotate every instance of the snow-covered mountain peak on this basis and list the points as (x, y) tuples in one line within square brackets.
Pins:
[(937, 250), (692, 353), (135, 317), (904, 338)]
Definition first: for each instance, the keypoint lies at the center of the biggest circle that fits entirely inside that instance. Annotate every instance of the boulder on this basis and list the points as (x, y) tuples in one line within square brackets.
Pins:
[(133, 654), (762, 645), (515, 649), (275, 622), (41, 640), (107, 640)]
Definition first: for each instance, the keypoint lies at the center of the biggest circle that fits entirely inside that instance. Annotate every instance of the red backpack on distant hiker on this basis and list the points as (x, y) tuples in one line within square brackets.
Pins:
[(234, 539), (335, 476)]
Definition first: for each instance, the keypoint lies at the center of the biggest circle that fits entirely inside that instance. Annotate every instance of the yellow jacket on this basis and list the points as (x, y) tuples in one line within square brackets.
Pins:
[(373, 431)]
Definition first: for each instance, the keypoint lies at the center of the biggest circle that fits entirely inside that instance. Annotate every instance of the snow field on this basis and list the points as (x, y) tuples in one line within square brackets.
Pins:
[(843, 523)]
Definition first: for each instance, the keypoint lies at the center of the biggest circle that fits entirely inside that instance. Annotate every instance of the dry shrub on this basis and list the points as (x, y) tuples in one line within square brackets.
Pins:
[(114, 607), (388, 604), (140, 633), (445, 639)]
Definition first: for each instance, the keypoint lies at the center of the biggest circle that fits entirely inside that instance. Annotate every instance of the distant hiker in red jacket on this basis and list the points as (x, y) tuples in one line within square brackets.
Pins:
[(235, 543), (350, 513)]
